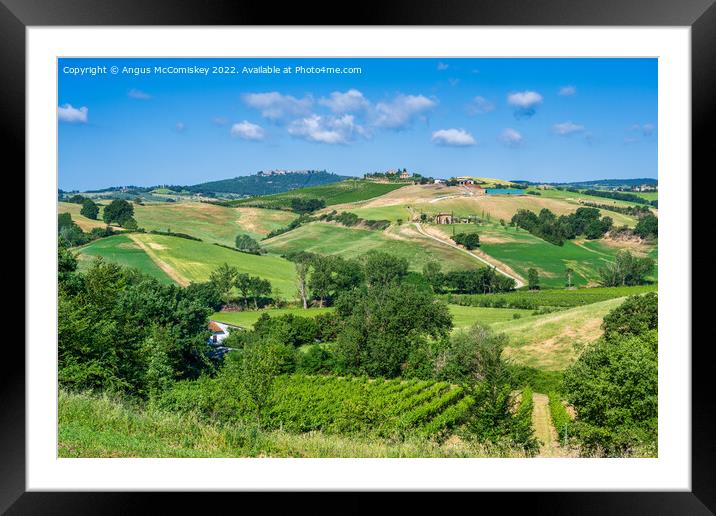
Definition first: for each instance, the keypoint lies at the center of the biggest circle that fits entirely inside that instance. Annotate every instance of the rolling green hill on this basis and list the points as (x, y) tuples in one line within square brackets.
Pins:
[(403, 241), (352, 190), (186, 261)]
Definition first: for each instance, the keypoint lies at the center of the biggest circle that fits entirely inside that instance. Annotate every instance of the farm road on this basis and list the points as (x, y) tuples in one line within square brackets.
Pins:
[(519, 282)]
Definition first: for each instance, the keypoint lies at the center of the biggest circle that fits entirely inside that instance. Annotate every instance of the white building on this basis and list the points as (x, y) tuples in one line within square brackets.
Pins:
[(219, 331)]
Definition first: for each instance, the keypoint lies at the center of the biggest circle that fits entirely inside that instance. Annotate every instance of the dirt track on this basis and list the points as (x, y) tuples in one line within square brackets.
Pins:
[(519, 282)]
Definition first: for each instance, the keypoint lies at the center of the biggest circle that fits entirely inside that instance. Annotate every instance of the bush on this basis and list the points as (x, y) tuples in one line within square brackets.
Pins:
[(560, 417), (469, 240)]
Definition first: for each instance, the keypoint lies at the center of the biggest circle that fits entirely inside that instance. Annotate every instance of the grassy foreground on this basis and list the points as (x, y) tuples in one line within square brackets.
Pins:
[(98, 426)]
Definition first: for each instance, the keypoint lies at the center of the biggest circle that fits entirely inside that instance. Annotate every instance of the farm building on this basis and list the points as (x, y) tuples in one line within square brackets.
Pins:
[(439, 181), (443, 218), (219, 331), (404, 174), (463, 181)]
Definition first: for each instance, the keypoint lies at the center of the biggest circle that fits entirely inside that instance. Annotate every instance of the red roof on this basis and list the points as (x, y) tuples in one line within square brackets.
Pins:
[(215, 328)]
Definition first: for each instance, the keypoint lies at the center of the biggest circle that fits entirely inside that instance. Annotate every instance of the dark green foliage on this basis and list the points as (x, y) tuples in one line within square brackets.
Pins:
[(89, 209), (553, 229), (620, 196), (383, 269), (476, 281), (468, 240), (636, 315), (119, 212), (383, 323), (613, 385), (532, 279), (111, 324), (262, 183), (301, 205), (560, 417), (77, 199), (647, 227), (627, 269), (537, 379), (289, 329), (180, 235), (247, 244), (303, 219), (315, 360)]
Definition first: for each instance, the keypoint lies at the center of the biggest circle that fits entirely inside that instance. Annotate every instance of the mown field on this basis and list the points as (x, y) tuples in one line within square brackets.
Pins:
[(122, 250), (403, 241), (553, 341), (186, 260), (210, 222), (335, 193), (83, 222)]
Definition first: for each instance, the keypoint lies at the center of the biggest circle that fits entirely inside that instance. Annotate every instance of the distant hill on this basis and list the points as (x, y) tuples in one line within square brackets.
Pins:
[(599, 183), (267, 183)]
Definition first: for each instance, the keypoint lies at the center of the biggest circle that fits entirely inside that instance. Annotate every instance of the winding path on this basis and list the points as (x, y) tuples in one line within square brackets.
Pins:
[(518, 281)]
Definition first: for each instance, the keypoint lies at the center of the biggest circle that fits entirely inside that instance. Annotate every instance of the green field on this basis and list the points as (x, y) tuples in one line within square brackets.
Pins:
[(564, 298), (333, 193), (391, 213), (122, 250), (574, 196), (553, 341), (188, 261), (403, 241), (246, 319), (210, 222), (521, 251), (463, 316)]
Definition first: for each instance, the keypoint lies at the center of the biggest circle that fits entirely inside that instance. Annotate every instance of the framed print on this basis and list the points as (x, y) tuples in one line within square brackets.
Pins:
[(417, 253)]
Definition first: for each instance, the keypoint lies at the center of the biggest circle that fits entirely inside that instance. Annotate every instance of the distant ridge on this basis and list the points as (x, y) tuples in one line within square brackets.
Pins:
[(267, 183), (596, 183)]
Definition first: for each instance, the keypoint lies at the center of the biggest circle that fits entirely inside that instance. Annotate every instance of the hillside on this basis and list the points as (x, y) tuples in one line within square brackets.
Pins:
[(348, 191), (266, 184)]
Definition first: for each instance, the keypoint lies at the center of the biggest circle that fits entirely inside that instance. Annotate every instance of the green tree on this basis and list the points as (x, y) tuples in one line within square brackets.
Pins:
[(383, 323), (648, 226), (627, 269), (242, 282), (118, 211), (636, 315), (302, 260), (383, 269), (259, 288), (89, 209), (258, 367), (223, 278), (532, 279), (247, 244), (432, 271)]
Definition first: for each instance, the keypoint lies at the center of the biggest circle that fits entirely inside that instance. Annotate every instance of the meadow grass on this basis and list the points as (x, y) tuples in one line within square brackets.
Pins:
[(210, 222), (247, 318), (83, 222), (391, 213), (521, 251), (401, 241), (122, 250), (553, 341), (102, 426), (194, 261)]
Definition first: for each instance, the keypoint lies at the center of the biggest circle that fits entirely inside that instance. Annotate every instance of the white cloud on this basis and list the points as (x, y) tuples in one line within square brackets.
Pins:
[(511, 137), (524, 99), (326, 129), (138, 94), (480, 105), (453, 138), (67, 113), (524, 102), (443, 66), (275, 106), (345, 102), (248, 131), (567, 91), (567, 128), (401, 111)]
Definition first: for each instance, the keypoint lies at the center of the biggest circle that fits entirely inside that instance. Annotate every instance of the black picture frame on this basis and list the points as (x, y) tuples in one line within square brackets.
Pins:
[(700, 15)]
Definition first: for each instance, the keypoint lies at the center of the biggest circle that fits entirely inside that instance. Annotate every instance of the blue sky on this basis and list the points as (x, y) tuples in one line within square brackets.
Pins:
[(534, 119)]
